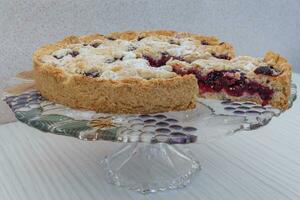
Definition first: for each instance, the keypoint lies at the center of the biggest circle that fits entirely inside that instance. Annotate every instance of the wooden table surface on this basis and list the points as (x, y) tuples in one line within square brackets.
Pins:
[(261, 164)]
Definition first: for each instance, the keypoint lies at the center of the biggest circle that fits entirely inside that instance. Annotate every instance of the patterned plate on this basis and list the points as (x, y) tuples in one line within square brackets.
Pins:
[(209, 120)]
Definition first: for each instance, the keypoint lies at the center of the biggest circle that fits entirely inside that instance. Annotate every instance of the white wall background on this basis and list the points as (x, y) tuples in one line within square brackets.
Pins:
[(253, 27)]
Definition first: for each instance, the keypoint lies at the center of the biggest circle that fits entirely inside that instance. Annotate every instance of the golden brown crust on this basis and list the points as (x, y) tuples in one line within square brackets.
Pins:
[(123, 96), (282, 83)]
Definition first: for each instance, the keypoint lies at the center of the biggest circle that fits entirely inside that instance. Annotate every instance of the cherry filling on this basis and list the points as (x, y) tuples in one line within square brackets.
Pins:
[(221, 56), (73, 54), (204, 42), (92, 74), (161, 61), (158, 62), (224, 80), (217, 81), (267, 70)]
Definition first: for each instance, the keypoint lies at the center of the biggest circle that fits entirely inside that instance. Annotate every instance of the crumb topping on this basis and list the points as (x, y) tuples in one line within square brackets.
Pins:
[(147, 58), (244, 64)]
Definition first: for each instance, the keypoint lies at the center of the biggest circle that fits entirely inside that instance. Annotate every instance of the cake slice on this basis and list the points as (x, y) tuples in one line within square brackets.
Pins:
[(262, 80)]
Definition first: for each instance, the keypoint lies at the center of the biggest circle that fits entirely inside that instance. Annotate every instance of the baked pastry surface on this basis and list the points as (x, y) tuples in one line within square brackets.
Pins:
[(155, 71)]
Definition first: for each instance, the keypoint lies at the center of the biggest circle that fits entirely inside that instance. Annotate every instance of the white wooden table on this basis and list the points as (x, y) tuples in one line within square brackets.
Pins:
[(261, 164)]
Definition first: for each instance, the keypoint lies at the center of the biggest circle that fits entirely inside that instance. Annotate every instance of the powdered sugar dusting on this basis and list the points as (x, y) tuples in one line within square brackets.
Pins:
[(117, 59)]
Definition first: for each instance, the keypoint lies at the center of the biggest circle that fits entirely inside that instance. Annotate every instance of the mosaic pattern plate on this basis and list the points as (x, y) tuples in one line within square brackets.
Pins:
[(209, 120)]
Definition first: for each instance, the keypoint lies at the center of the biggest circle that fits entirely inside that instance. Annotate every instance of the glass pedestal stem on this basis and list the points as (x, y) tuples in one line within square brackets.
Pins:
[(147, 168)]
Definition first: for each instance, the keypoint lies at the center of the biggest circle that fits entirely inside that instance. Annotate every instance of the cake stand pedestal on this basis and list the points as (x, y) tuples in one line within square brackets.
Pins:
[(158, 167)]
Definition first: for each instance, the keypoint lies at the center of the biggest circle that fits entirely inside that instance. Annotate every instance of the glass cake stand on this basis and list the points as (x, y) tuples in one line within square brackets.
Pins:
[(148, 161)]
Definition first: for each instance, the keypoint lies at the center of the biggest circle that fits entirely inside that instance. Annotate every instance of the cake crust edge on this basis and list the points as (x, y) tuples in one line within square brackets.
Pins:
[(122, 96)]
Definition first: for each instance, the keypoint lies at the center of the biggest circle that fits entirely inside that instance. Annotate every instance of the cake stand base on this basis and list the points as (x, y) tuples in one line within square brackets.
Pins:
[(149, 168)]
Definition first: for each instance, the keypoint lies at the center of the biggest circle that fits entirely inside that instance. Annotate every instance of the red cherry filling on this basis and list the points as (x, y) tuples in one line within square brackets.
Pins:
[(161, 61), (92, 74), (58, 57), (221, 56), (95, 45), (204, 42), (73, 54), (267, 70), (216, 81), (110, 38)]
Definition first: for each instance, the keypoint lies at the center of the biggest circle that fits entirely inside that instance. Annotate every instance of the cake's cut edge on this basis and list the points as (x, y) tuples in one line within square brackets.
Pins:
[(280, 85)]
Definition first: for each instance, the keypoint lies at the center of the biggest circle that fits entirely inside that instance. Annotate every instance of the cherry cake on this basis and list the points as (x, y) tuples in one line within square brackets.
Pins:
[(155, 71)]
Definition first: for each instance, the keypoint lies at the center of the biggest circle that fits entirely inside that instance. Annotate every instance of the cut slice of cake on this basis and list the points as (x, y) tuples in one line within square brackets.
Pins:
[(262, 80)]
